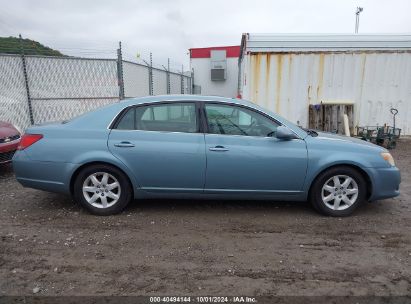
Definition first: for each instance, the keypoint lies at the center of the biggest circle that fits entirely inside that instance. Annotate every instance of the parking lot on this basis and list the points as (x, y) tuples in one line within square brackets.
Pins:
[(50, 246)]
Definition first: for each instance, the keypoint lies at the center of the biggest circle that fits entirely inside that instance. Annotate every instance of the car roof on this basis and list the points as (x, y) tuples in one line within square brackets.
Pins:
[(182, 97)]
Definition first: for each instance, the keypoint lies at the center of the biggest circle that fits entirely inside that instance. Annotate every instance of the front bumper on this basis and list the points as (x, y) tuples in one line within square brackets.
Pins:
[(385, 182), (7, 151)]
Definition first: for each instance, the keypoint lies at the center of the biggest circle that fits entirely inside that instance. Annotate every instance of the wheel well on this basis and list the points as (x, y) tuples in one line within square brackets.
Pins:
[(78, 170), (358, 169)]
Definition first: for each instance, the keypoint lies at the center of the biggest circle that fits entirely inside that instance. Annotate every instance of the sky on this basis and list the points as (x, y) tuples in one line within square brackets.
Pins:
[(168, 28)]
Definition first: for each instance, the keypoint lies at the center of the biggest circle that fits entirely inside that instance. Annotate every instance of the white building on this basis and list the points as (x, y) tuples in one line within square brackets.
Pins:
[(215, 70), (287, 73)]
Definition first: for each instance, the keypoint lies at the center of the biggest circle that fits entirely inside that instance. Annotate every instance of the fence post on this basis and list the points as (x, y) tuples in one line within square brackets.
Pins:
[(150, 73), (182, 79), (26, 80), (167, 69), (168, 77), (120, 72)]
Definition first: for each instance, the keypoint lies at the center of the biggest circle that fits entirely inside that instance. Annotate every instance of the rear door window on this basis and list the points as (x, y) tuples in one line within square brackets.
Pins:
[(128, 121), (172, 117)]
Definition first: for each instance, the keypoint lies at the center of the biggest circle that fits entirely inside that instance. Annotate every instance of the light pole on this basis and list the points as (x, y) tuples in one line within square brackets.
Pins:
[(357, 18)]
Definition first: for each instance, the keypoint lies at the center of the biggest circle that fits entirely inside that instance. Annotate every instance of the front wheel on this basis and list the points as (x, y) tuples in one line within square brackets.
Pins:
[(338, 191), (102, 189)]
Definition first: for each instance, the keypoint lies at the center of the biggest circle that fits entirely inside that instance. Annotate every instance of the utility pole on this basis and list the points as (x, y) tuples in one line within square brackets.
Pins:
[(357, 18)]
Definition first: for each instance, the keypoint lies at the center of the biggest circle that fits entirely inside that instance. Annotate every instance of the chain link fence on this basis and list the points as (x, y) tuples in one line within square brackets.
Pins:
[(37, 89), (13, 96)]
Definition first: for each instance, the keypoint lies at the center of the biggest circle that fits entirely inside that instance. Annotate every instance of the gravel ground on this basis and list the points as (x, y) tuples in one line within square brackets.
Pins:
[(50, 246)]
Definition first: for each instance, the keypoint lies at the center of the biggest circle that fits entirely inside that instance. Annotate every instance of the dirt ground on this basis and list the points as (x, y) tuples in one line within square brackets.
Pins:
[(50, 246)]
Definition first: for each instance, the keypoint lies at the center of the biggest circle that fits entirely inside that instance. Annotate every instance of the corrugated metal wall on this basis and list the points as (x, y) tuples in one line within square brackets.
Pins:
[(375, 81)]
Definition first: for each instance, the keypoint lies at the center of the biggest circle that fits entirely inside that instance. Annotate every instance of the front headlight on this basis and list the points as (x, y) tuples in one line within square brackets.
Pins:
[(388, 158)]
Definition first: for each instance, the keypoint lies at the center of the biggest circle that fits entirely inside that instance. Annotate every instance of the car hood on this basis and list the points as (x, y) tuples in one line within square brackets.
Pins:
[(7, 129), (336, 137)]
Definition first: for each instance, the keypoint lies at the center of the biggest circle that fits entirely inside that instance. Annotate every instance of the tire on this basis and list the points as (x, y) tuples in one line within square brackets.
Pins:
[(102, 189), (341, 202)]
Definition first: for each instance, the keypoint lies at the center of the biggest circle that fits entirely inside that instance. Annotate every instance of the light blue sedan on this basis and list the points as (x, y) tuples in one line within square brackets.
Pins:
[(196, 147)]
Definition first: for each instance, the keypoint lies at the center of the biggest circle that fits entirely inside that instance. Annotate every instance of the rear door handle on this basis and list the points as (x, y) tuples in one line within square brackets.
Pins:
[(218, 149), (124, 144)]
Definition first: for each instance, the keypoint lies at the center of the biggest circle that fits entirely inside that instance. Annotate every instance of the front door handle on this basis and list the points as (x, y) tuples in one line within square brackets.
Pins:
[(124, 144), (218, 149)]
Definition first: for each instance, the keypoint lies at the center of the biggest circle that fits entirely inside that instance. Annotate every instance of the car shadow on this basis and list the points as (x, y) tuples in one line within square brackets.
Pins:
[(53, 201), (206, 205), (246, 206), (6, 170)]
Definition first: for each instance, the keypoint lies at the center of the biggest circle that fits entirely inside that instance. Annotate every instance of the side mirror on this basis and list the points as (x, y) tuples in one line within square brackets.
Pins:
[(284, 133)]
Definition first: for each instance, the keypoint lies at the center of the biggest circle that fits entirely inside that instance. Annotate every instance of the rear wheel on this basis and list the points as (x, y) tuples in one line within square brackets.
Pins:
[(102, 189), (338, 191)]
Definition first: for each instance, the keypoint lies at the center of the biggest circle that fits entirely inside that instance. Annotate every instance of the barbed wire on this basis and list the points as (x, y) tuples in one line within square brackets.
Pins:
[(99, 49)]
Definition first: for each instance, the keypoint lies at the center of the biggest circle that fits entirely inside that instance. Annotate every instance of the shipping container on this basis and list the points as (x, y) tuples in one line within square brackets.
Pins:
[(287, 73)]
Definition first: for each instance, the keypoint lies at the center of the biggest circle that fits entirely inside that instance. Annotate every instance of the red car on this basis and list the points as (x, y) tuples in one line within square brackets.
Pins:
[(9, 140)]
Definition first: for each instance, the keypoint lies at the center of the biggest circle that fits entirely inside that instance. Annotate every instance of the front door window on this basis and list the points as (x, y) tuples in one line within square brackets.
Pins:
[(235, 120)]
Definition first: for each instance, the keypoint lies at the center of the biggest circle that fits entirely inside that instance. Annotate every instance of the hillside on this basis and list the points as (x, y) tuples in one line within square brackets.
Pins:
[(11, 45)]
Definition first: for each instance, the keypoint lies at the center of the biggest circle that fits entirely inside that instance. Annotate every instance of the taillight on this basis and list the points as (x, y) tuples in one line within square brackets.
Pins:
[(27, 140)]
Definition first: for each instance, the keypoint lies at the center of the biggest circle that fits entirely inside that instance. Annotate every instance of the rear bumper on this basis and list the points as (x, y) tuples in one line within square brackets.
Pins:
[(48, 176), (385, 182)]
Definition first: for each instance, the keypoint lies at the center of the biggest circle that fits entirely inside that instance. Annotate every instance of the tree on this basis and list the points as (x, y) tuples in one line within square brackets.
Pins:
[(11, 45)]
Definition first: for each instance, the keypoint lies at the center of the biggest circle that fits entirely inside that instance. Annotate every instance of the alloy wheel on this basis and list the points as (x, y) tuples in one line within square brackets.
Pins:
[(101, 190), (339, 192)]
